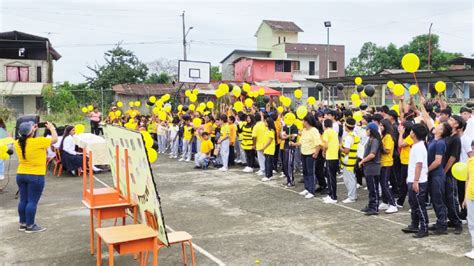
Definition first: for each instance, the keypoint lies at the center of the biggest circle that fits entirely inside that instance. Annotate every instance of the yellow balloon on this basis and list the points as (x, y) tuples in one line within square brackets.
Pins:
[(119, 104), (152, 155), (193, 98), (167, 108), (162, 116), (280, 109), (311, 100), (224, 88), (398, 89), (261, 92), (440, 86), (358, 80), (192, 107), (180, 108), (6, 141), (413, 89), (289, 119), (301, 111), (3, 148), (363, 94), (238, 106), (195, 91), (298, 94), (396, 108), (210, 105), (156, 110), (90, 108), (357, 116), (165, 97), (355, 97), (281, 98), (390, 84), (159, 103), (299, 124), (197, 122), (118, 113), (147, 138), (80, 128), (187, 93), (287, 102), (131, 104), (459, 171), (248, 102), (137, 103), (246, 87), (236, 91), (4, 156), (357, 103), (410, 62), (84, 109), (152, 99)]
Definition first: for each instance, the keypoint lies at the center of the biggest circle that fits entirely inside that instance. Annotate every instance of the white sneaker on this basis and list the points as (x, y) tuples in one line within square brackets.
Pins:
[(237, 161), (188, 160), (326, 198), (282, 174), (383, 206), (348, 200), (392, 209), (260, 173), (275, 172), (330, 201), (358, 186), (247, 169), (304, 192), (399, 206), (470, 255), (223, 169), (266, 179), (309, 196), (180, 160)]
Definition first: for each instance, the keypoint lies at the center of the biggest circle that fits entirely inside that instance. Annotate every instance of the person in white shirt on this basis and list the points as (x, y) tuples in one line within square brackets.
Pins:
[(174, 138), (466, 114), (417, 183), (70, 159)]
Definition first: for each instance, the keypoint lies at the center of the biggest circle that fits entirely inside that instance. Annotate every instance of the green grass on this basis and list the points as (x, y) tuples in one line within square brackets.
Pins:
[(59, 119)]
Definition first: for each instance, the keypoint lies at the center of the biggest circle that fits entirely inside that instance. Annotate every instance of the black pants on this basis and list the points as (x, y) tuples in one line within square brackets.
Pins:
[(437, 192), (452, 203), (403, 184), (387, 196), (95, 127), (332, 167), (288, 164), (231, 161), (419, 216), (373, 193), (269, 165), (395, 176), (319, 171), (461, 192), (359, 172), (250, 157), (275, 158)]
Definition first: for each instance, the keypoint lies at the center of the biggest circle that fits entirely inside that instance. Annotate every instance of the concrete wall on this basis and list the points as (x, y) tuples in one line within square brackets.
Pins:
[(32, 64), (266, 37), (304, 60), (336, 53), (228, 65), (29, 104), (243, 70), (259, 70), (278, 51)]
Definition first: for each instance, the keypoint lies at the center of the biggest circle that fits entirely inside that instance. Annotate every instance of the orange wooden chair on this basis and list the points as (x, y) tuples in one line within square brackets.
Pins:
[(58, 166), (174, 238)]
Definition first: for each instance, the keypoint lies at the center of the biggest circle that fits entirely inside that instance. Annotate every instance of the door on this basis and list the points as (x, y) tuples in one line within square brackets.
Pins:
[(311, 68)]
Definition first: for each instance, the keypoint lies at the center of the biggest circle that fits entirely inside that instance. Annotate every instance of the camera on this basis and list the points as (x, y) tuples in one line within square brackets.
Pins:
[(42, 125)]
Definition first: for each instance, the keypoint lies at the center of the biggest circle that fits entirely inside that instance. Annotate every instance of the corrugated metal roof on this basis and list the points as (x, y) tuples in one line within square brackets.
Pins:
[(21, 88), (283, 25), (254, 52)]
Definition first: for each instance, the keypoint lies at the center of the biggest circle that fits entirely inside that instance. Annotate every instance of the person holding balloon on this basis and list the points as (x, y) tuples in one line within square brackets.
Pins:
[(247, 143), (95, 117), (187, 138), (269, 148)]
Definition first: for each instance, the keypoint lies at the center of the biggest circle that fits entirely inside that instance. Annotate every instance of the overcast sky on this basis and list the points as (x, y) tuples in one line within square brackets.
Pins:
[(82, 30)]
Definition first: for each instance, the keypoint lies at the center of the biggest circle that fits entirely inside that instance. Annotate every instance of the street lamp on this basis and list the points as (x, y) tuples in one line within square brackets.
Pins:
[(327, 24)]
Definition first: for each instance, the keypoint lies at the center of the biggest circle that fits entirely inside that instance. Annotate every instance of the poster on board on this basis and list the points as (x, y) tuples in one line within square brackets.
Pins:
[(142, 184)]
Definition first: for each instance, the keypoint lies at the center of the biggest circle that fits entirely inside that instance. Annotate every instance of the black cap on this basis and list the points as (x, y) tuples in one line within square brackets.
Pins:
[(393, 114), (350, 122)]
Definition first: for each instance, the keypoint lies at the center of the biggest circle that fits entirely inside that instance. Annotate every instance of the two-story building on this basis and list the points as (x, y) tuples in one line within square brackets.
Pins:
[(26, 65), (281, 62)]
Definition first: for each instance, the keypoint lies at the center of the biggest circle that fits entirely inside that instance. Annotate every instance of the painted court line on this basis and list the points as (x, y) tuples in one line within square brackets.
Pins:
[(195, 246)]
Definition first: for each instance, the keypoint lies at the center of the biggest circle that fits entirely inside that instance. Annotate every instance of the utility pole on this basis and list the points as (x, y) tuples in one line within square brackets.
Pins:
[(184, 38), (327, 24), (429, 48)]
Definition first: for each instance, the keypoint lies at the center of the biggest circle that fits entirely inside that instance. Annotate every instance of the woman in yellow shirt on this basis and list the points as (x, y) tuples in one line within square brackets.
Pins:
[(386, 161), (404, 143), (468, 202), (223, 142), (31, 171), (269, 148), (310, 144)]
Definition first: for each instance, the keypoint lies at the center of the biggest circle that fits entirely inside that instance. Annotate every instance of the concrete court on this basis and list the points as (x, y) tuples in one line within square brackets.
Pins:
[(235, 219)]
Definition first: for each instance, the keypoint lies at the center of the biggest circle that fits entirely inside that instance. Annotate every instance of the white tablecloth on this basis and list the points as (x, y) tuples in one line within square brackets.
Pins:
[(96, 144)]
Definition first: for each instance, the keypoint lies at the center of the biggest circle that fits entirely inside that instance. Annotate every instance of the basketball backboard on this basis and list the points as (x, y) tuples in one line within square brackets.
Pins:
[(194, 72)]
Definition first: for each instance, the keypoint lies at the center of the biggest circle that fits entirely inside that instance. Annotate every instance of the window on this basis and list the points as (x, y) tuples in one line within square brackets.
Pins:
[(278, 39), (296, 65), (332, 66), (15, 74), (38, 74), (311, 68), (284, 39), (282, 66)]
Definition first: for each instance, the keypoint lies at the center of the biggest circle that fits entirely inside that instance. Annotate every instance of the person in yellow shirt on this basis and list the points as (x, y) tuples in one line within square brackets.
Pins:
[(205, 151), (404, 143), (386, 161), (223, 142), (112, 115), (187, 138), (331, 151), (258, 134), (269, 148), (31, 170), (232, 139), (310, 145), (468, 202)]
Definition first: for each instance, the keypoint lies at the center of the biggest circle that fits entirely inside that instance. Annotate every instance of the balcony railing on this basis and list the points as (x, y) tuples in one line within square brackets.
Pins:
[(303, 74)]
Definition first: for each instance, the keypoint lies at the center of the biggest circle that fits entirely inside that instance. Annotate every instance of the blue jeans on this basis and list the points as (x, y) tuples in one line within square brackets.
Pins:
[(373, 193), (31, 188), (308, 173), (2, 167), (383, 180), (419, 216), (437, 192)]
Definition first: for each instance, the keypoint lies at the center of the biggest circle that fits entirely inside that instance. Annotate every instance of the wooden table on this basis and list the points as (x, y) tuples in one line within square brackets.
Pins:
[(104, 212), (128, 239)]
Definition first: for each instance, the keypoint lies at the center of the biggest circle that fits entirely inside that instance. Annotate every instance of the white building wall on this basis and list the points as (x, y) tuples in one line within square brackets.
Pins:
[(304, 60)]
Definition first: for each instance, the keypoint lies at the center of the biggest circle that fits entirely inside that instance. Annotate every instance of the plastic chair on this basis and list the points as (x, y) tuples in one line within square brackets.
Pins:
[(178, 237), (57, 162)]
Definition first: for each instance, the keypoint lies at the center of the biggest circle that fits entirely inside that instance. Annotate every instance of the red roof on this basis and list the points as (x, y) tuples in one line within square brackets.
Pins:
[(268, 91)]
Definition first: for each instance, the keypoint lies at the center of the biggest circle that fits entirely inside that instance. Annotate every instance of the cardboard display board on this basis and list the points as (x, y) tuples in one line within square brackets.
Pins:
[(142, 184)]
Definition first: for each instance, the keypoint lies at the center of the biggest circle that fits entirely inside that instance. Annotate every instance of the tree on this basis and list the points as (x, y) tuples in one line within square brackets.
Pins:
[(59, 98), (373, 58), (121, 66), (162, 78), (161, 65), (215, 73)]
